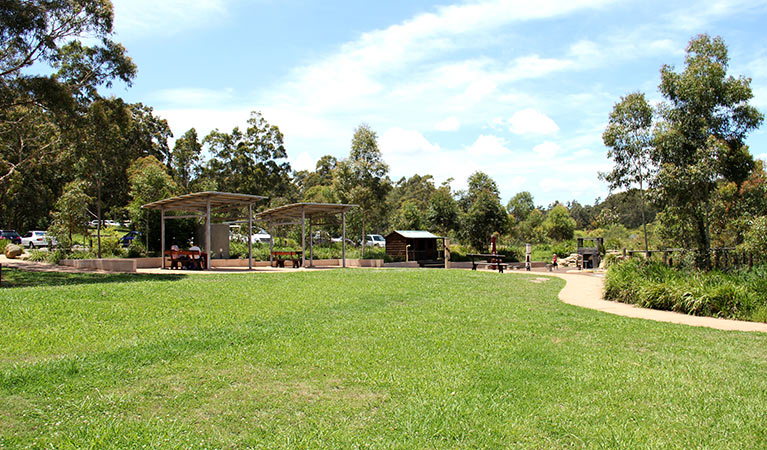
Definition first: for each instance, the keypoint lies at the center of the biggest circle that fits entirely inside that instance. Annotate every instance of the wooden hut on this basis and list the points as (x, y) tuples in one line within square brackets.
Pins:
[(412, 245)]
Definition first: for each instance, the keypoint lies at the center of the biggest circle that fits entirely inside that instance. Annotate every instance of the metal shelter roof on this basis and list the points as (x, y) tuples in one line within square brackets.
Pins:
[(413, 234), (198, 201), (308, 210)]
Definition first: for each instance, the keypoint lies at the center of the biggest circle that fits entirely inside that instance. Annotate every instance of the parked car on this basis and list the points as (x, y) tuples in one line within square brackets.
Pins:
[(374, 240), (37, 239), (128, 238), (321, 237), (111, 223), (348, 241), (11, 235), (260, 236)]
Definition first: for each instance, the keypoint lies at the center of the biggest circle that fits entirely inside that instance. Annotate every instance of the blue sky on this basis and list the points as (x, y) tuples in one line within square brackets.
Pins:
[(520, 90)]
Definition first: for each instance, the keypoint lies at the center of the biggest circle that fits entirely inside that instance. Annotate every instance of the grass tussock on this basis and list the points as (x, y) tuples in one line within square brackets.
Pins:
[(740, 294)]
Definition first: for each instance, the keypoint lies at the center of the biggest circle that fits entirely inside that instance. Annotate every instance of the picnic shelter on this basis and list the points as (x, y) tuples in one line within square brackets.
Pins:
[(202, 205), (300, 214)]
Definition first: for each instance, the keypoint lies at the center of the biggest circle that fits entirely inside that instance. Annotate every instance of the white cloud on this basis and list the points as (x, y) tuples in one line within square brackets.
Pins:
[(583, 153), (449, 124), (397, 140), (488, 145), (530, 121), (149, 18), (303, 162), (547, 150), (196, 97)]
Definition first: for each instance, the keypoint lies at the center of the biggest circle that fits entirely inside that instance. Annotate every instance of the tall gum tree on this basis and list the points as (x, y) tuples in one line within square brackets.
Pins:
[(700, 137), (629, 139)]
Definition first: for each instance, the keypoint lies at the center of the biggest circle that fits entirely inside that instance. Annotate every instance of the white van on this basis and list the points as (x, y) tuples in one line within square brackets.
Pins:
[(374, 240)]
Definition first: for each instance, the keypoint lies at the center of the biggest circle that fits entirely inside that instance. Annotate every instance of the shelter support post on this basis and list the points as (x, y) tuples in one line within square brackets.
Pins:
[(250, 236), (207, 235), (311, 244), (303, 237), (343, 239), (162, 236), (271, 244)]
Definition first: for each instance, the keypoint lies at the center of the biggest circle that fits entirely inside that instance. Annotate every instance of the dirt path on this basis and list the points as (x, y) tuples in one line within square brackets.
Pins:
[(585, 290)]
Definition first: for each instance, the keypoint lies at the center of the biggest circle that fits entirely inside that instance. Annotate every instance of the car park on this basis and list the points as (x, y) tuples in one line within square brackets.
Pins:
[(37, 239), (10, 235), (130, 237)]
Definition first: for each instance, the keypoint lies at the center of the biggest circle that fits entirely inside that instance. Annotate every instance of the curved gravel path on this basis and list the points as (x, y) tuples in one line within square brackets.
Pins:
[(585, 290)]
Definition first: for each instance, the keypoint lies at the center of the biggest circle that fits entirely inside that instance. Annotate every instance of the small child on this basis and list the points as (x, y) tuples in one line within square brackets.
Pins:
[(554, 262)]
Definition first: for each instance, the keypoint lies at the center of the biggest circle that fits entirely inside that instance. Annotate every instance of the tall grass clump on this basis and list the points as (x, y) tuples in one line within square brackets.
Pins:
[(740, 294)]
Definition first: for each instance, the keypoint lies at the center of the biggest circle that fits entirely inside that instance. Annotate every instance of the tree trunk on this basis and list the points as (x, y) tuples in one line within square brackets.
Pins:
[(704, 244), (363, 237), (644, 220), (98, 218)]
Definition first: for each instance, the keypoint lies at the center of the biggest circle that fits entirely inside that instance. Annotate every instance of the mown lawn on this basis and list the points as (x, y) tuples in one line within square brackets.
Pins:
[(360, 359)]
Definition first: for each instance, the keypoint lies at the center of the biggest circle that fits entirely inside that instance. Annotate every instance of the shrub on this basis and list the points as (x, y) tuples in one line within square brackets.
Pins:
[(740, 294), (136, 249), (3, 244)]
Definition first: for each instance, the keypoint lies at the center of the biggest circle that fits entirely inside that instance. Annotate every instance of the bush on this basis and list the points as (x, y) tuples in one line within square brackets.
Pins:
[(136, 249), (737, 295), (3, 244)]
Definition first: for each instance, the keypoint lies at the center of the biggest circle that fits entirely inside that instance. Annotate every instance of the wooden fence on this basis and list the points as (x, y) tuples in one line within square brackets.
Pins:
[(721, 257)]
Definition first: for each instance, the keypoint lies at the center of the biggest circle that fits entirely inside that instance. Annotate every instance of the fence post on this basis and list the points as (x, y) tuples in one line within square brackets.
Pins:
[(665, 257), (624, 253)]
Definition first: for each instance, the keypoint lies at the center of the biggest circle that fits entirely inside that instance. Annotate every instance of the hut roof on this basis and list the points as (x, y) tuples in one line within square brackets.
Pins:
[(414, 234)]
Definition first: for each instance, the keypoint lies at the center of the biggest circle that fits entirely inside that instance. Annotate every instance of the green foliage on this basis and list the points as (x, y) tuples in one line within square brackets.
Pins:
[(738, 295), (3, 244), (410, 216), (442, 215), (185, 159), (249, 162), (361, 179), (71, 214), (136, 249), (701, 138), (520, 206), (558, 224), (755, 239), (485, 217)]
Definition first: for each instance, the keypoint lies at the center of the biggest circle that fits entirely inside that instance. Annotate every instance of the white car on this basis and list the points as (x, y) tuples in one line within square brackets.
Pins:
[(374, 240), (261, 236), (36, 239)]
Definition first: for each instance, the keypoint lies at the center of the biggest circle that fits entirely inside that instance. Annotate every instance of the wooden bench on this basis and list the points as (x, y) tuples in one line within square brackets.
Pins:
[(279, 258), (179, 257), (499, 265), (490, 260)]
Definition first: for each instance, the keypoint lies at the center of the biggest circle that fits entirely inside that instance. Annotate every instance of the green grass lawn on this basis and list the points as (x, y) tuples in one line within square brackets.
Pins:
[(360, 359)]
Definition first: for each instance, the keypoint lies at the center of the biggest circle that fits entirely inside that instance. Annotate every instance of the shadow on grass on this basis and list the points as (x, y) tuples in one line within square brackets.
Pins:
[(16, 278)]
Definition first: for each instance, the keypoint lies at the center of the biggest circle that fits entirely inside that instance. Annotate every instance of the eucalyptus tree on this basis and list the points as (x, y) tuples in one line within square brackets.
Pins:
[(48, 36), (629, 138), (253, 161), (362, 179), (185, 159), (701, 137)]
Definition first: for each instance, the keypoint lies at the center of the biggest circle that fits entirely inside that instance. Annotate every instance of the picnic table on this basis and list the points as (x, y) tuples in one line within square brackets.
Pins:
[(179, 257), (487, 259), (279, 258)]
